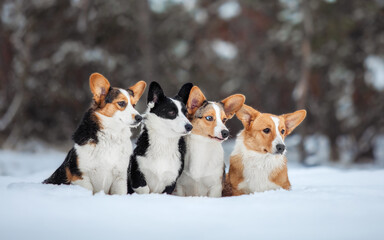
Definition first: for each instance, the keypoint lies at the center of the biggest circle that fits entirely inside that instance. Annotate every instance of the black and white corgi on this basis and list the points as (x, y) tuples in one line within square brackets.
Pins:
[(100, 156), (204, 162), (158, 159)]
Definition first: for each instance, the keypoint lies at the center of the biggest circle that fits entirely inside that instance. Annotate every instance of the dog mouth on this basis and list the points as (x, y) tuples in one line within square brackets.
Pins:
[(217, 138), (134, 125)]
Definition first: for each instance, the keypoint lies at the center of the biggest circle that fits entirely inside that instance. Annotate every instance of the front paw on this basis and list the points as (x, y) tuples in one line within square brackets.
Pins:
[(142, 190)]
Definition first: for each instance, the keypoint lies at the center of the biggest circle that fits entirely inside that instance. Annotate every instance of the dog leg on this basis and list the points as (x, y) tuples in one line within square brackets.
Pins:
[(119, 186), (85, 182), (215, 191)]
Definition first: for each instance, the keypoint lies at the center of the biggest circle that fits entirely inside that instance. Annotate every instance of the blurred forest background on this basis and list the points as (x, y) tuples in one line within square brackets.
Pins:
[(326, 56)]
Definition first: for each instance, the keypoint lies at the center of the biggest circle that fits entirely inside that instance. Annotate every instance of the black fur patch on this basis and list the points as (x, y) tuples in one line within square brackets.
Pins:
[(182, 150), (136, 178), (87, 130), (112, 95), (59, 176), (183, 94)]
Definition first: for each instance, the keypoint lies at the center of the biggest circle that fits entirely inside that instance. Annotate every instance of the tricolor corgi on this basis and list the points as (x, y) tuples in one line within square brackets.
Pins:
[(100, 156), (158, 158), (258, 161), (204, 162)]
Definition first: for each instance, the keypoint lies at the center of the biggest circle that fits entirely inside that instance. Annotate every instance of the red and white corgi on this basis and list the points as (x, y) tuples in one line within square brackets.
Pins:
[(258, 162), (204, 161), (100, 156)]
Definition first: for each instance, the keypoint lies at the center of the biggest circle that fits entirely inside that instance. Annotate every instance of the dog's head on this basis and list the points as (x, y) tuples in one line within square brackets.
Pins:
[(168, 115), (209, 118), (116, 103), (264, 132)]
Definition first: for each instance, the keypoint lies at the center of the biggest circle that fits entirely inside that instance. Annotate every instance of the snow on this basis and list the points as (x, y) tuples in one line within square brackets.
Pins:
[(325, 203)]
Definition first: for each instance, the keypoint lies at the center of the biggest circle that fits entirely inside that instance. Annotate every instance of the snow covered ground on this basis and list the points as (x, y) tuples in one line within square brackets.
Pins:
[(325, 203)]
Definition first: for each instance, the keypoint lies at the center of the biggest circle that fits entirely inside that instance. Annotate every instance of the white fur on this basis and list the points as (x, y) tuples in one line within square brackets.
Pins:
[(104, 165), (203, 170), (257, 167), (278, 139), (161, 163), (219, 124)]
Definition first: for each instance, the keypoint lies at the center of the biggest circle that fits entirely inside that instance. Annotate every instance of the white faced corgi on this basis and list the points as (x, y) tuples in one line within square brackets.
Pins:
[(158, 158), (258, 162), (100, 157), (204, 162)]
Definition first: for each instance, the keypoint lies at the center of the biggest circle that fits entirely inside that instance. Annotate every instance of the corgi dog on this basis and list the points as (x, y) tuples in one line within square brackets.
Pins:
[(99, 158), (158, 159), (204, 162), (258, 161)]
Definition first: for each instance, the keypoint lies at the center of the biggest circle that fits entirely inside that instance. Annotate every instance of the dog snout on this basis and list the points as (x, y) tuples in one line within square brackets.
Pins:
[(188, 127), (138, 118), (280, 148), (224, 133)]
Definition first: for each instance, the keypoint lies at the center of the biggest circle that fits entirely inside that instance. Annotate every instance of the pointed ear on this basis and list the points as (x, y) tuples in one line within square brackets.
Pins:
[(292, 120), (184, 92), (195, 100), (155, 92), (246, 115), (99, 86), (232, 104), (138, 90)]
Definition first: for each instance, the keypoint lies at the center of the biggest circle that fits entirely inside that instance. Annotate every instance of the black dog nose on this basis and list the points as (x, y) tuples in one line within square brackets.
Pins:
[(188, 127), (225, 133), (138, 118), (280, 148)]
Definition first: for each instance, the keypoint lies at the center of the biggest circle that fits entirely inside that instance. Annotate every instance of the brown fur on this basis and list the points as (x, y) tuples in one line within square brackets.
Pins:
[(100, 87), (70, 176), (255, 139), (198, 110), (280, 177), (235, 176), (110, 108)]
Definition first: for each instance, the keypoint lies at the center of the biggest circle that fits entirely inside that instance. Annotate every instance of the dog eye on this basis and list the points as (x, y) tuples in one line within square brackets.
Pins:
[(171, 113), (266, 130), (282, 131), (121, 104), (209, 118), (224, 120)]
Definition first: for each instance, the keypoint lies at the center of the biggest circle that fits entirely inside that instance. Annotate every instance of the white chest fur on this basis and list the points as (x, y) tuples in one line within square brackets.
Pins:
[(161, 163), (106, 163), (257, 168), (203, 170)]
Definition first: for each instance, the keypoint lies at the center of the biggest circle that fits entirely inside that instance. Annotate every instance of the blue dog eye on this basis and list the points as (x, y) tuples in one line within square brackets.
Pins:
[(121, 104), (209, 118)]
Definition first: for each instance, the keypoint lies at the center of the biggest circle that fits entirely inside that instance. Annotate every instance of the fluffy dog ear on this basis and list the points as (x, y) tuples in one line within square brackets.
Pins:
[(184, 93), (137, 90), (155, 92), (292, 120), (232, 104), (99, 87), (195, 100), (246, 115)]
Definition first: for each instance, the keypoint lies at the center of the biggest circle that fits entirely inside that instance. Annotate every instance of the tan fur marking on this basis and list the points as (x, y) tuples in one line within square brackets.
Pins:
[(232, 104), (138, 90), (203, 127), (280, 177), (195, 100), (99, 87), (70, 177), (110, 108), (235, 174)]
